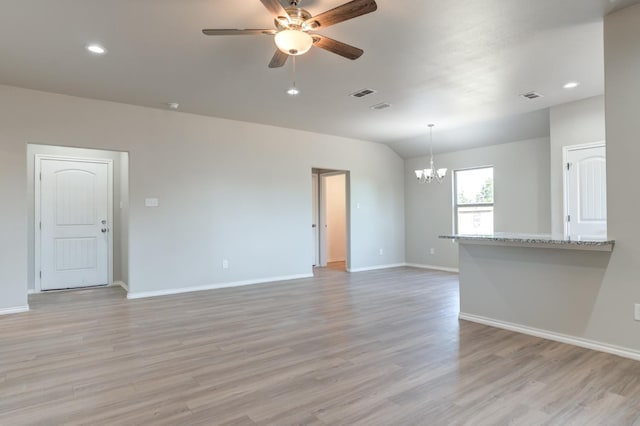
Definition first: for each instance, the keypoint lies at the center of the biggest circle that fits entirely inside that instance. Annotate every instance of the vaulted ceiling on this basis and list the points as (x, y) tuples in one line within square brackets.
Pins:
[(460, 64)]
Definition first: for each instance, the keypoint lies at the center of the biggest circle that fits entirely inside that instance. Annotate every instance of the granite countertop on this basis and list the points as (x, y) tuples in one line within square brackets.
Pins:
[(533, 240)]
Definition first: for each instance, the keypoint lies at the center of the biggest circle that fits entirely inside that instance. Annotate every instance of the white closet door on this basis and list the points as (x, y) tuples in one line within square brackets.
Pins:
[(586, 180)]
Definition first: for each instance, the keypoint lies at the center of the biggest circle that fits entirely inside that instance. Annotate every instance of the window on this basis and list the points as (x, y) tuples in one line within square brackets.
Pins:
[(473, 202)]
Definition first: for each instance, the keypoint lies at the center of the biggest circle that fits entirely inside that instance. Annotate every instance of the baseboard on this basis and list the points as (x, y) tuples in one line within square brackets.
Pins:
[(14, 310), (437, 268), (32, 291), (120, 284), (374, 268), (550, 335), (144, 294)]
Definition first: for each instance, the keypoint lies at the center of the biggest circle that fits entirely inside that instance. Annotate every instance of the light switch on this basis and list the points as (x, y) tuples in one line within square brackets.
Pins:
[(151, 202)]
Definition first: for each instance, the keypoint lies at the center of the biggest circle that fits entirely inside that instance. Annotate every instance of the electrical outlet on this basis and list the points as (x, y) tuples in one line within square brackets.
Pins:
[(636, 312), (432, 251), (225, 264), (381, 252)]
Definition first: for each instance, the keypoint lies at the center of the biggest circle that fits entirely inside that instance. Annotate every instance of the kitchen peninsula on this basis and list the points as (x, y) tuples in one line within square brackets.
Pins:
[(541, 285)]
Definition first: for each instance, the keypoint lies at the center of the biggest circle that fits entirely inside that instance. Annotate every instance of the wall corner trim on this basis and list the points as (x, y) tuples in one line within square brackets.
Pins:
[(170, 291), (374, 268), (434, 267), (14, 310), (550, 335), (121, 284)]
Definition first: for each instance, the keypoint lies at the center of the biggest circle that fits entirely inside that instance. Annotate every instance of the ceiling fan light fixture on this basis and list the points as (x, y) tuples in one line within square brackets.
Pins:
[(293, 42)]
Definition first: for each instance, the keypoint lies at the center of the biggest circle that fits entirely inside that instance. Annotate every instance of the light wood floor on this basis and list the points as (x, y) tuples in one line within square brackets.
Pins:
[(369, 348), (337, 266)]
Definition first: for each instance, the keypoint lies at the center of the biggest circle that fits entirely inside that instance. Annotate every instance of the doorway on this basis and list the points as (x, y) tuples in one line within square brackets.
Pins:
[(585, 185), (78, 218), (330, 192)]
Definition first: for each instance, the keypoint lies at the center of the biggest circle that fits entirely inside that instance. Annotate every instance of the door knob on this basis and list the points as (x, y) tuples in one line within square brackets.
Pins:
[(104, 230)]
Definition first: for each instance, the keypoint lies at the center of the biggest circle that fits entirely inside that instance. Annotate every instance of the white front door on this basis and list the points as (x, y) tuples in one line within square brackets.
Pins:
[(586, 191), (75, 223)]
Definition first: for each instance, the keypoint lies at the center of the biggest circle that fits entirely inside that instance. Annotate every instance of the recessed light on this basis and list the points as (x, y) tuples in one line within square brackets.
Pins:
[(293, 91), (571, 85), (173, 105), (97, 49)]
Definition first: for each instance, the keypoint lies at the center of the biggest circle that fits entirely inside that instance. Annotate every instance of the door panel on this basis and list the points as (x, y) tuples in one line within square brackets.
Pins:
[(586, 192), (74, 240)]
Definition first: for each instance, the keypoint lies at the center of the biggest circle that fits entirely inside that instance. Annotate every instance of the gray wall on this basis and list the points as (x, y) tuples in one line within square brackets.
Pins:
[(227, 190), (613, 312), (120, 217), (124, 217), (587, 296), (521, 193), (574, 123), (544, 288)]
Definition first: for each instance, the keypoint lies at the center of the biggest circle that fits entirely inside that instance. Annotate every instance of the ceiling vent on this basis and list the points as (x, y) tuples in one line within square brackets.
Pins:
[(362, 93), (532, 95), (382, 105)]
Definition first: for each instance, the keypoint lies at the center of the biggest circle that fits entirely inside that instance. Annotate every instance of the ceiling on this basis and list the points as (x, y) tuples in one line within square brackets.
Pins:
[(460, 64)]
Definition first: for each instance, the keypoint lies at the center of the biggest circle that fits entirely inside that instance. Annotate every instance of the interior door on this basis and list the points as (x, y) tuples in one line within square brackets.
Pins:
[(586, 189), (314, 219), (74, 220)]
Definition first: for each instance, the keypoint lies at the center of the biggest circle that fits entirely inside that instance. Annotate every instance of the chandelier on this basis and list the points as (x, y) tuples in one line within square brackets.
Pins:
[(431, 174)]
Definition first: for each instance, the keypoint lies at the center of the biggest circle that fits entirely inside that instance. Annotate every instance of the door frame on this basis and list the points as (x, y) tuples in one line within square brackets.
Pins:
[(565, 193), (322, 218), (315, 193), (38, 212)]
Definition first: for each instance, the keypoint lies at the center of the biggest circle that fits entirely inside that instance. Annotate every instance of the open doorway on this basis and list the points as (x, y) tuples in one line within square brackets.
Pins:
[(78, 224), (330, 220)]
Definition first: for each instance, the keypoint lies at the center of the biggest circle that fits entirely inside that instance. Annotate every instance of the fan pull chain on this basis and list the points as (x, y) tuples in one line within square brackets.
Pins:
[(293, 90)]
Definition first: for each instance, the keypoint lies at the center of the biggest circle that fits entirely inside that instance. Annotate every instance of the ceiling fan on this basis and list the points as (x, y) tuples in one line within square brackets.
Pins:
[(293, 34)]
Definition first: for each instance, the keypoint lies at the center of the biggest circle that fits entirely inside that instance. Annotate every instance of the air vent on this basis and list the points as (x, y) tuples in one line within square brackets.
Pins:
[(532, 95), (383, 105), (362, 93)]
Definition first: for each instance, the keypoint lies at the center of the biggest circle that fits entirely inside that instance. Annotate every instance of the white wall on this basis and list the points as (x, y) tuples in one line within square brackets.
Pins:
[(227, 190), (521, 197), (335, 198), (120, 218), (571, 124)]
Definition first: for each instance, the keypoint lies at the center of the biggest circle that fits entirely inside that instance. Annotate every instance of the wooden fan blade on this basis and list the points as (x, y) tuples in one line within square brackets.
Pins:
[(223, 31), (278, 60), (342, 13), (337, 47), (275, 8)]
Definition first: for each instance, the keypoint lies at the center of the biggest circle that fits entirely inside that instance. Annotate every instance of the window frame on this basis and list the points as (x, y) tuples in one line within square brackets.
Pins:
[(455, 194)]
